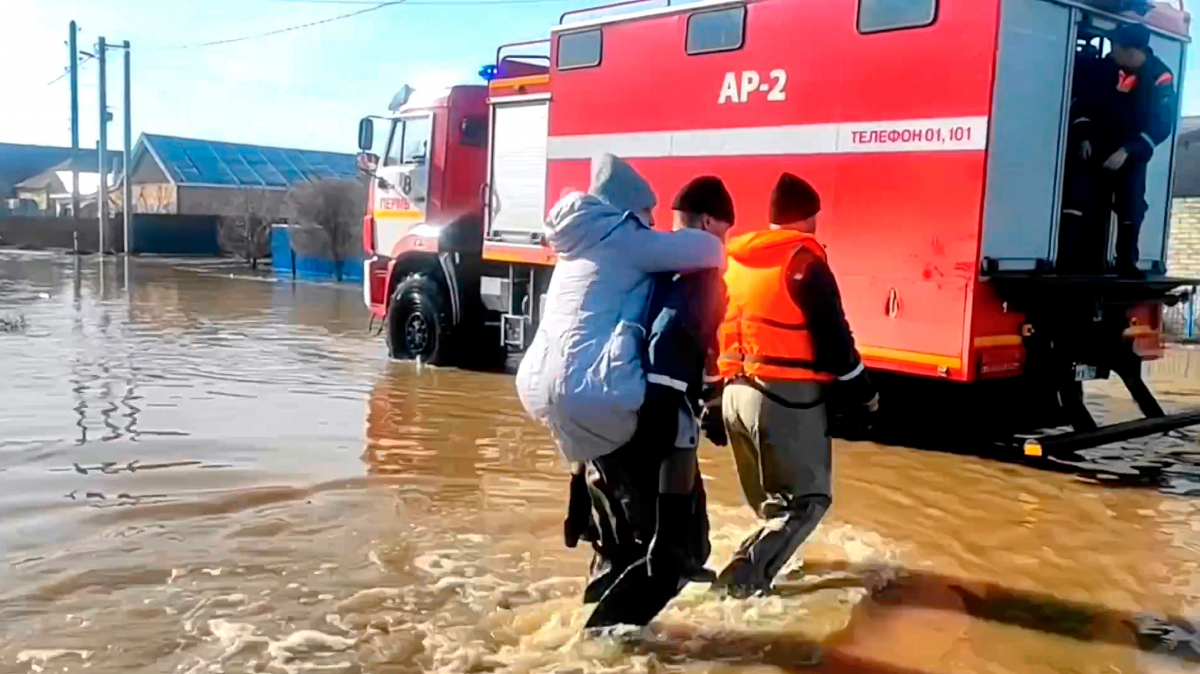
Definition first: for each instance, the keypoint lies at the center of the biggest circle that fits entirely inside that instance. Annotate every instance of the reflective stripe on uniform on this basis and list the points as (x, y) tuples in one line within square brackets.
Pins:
[(664, 380), (853, 373)]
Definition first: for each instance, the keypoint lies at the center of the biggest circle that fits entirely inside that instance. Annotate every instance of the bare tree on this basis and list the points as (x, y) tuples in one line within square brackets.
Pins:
[(248, 234), (328, 219)]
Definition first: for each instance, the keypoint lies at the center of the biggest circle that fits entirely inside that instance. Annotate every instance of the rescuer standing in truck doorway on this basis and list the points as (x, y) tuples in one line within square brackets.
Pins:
[(784, 342), (1126, 108), (647, 498)]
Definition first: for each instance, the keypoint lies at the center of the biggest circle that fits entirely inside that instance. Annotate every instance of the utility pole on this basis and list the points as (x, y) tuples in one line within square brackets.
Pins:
[(74, 65), (127, 195), (102, 190)]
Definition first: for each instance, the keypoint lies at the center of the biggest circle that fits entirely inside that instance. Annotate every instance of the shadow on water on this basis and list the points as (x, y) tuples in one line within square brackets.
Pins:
[(1168, 463), (1167, 636), (951, 418)]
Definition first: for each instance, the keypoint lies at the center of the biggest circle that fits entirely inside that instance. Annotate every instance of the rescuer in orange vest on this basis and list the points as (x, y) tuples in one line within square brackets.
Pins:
[(784, 342)]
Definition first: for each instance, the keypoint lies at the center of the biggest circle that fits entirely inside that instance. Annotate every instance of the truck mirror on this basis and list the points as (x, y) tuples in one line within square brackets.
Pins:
[(366, 134), (474, 131)]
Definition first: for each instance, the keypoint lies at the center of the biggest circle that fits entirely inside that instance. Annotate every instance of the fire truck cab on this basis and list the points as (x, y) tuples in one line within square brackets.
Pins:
[(935, 131)]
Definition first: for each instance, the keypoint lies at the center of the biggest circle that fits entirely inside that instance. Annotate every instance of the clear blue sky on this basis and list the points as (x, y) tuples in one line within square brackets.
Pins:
[(305, 88)]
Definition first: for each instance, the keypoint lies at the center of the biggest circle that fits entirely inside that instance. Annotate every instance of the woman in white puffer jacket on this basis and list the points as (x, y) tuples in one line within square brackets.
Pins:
[(582, 376)]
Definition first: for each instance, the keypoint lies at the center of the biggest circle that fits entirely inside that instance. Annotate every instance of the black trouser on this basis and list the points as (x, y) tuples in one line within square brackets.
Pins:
[(1091, 194), (1082, 235), (624, 491), (1125, 190)]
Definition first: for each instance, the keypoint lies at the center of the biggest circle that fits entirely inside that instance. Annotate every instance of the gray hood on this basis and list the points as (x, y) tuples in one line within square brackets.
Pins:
[(580, 221)]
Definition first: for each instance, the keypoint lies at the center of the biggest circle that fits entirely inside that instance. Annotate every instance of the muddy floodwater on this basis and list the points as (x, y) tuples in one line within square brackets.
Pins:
[(205, 470)]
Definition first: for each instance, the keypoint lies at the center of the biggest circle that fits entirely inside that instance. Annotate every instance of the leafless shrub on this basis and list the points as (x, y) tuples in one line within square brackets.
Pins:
[(248, 234), (328, 219)]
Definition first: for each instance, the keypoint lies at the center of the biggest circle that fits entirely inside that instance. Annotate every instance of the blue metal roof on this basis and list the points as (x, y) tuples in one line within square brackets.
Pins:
[(20, 162), (190, 161)]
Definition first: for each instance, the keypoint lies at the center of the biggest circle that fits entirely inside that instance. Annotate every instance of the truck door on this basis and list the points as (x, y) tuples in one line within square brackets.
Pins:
[(402, 194), (517, 170), (1027, 146), (1034, 63), (1152, 241)]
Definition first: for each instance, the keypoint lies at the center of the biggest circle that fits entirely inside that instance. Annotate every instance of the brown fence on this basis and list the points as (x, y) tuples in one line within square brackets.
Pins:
[(42, 233)]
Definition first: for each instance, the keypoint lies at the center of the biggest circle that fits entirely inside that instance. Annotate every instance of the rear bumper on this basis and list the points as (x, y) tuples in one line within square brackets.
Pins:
[(1064, 444)]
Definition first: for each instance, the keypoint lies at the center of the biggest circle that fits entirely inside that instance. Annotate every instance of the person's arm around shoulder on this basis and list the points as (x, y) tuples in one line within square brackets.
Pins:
[(653, 251)]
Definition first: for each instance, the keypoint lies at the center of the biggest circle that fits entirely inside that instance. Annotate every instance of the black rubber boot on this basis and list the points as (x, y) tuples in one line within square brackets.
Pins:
[(742, 579), (635, 598), (671, 553)]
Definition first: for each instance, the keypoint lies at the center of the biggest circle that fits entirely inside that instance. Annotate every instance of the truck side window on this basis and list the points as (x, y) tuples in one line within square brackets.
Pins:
[(877, 16), (417, 133), (716, 31), (580, 49), (395, 143)]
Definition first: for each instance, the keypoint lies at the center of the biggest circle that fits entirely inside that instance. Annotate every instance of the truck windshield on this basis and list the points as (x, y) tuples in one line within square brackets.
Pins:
[(410, 141)]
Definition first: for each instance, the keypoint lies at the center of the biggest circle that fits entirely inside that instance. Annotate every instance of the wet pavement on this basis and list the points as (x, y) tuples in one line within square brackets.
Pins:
[(207, 470)]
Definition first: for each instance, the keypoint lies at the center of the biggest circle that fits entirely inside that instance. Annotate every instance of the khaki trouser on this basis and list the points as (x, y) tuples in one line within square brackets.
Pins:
[(784, 461)]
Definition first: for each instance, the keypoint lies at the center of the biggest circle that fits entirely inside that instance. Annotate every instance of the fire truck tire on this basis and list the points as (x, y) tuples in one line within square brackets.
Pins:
[(417, 324)]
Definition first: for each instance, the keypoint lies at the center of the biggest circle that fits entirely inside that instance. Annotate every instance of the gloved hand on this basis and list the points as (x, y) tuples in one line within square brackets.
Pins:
[(579, 511), (857, 402), (1116, 160), (1085, 150), (712, 423)]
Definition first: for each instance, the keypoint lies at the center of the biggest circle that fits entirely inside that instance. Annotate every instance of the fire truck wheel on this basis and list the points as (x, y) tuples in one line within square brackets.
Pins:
[(416, 323)]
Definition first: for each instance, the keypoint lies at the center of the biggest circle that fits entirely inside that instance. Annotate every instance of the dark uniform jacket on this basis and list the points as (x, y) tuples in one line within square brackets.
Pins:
[(685, 313), (1115, 108), (814, 289)]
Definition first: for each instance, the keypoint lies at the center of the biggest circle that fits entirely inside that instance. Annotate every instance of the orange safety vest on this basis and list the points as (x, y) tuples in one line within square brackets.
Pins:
[(764, 334)]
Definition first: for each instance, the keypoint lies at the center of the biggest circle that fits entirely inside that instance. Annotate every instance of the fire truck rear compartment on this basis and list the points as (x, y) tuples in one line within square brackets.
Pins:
[(1037, 45), (1074, 327)]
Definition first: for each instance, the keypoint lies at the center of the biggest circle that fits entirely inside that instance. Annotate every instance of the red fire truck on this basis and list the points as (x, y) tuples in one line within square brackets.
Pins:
[(934, 130)]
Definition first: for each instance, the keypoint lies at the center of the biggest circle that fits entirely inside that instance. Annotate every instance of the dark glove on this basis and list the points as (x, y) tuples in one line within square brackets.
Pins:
[(711, 421), (579, 511), (713, 425), (855, 404)]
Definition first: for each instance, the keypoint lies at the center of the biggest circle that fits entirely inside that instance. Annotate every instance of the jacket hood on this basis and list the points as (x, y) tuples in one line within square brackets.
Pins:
[(764, 247), (580, 221)]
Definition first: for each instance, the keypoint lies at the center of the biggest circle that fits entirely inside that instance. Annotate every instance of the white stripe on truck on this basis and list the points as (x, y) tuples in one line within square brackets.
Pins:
[(950, 134)]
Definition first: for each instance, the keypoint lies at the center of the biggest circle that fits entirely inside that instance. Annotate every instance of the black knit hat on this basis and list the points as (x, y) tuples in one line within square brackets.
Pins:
[(705, 195), (1132, 35), (793, 200)]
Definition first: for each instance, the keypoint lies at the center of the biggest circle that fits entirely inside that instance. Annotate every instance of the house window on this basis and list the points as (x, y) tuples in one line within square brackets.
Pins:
[(579, 50), (718, 30), (877, 16)]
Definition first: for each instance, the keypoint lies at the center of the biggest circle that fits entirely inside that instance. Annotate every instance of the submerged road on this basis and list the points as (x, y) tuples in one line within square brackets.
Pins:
[(204, 470)]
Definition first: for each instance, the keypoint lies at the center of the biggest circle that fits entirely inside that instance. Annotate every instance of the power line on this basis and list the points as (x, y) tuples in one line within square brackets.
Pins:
[(280, 31), (67, 71)]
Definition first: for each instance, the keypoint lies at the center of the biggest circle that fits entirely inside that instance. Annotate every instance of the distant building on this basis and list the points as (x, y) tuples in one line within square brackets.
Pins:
[(50, 190), (201, 177), (1183, 248), (18, 162)]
